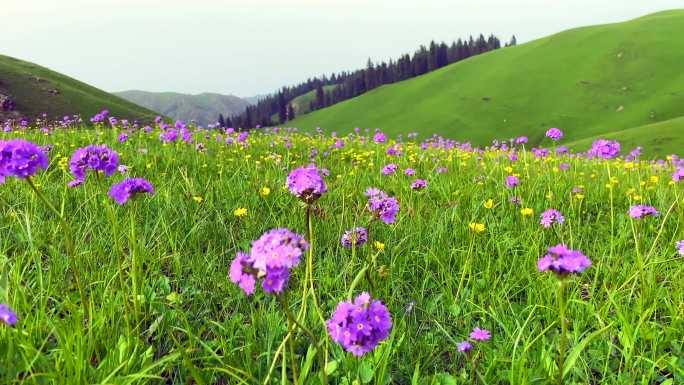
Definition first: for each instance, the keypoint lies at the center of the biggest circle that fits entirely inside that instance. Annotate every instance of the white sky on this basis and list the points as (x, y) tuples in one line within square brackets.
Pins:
[(252, 47)]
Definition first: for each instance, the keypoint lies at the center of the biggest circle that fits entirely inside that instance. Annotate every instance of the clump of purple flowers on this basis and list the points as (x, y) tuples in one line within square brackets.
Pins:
[(129, 188), (20, 159), (419, 184), (554, 134), (96, 158), (642, 211), (169, 136), (678, 175), (551, 216), (355, 237), (389, 169), (512, 181), (382, 205), (605, 149), (361, 325), (7, 315), (562, 261), (306, 183), (680, 247), (271, 258)]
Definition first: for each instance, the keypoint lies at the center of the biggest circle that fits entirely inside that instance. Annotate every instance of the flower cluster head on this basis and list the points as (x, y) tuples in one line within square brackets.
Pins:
[(96, 158), (678, 175), (355, 237), (642, 211), (379, 137), (129, 188), (512, 181), (554, 134), (169, 136), (123, 137), (7, 315), (562, 261), (20, 159), (680, 247), (382, 205), (410, 172), (419, 184), (271, 258), (605, 149), (477, 335), (551, 216), (361, 325), (389, 169), (307, 183)]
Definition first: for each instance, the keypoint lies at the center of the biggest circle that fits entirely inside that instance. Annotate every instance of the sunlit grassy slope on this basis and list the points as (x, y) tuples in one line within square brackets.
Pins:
[(588, 81)]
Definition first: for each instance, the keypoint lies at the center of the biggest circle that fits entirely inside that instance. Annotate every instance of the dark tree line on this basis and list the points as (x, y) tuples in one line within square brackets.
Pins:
[(277, 108)]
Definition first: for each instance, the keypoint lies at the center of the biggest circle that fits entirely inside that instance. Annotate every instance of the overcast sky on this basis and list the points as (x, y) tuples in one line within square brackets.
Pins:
[(250, 47)]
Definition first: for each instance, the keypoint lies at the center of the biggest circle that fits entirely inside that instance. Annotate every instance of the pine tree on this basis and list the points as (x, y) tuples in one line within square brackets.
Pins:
[(221, 121)]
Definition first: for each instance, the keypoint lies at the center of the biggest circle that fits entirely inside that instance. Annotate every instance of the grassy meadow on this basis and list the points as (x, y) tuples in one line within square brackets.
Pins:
[(160, 309)]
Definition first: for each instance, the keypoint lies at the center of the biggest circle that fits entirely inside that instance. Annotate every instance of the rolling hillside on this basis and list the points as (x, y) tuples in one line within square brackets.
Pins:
[(203, 108), (588, 81), (36, 90)]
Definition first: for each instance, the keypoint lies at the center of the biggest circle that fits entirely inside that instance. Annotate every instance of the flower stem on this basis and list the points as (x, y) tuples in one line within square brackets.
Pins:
[(561, 312), (68, 240)]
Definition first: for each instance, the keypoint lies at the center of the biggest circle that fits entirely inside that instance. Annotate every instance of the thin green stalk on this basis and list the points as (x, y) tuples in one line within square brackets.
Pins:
[(561, 313)]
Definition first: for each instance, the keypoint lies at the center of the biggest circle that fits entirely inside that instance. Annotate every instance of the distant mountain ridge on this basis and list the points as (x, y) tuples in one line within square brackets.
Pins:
[(202, 108)]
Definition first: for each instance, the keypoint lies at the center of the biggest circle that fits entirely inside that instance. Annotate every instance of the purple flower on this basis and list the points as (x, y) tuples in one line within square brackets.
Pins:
[(634, 154), (382, 205), (20, 159), (123, 137), (122, 169), (563, 261), (480, 334), (306, 183), (355, 237), (464, 347), (554, 134), (441, 170), (241, 273), (642, 211), (389, 169), (678, 175), (512, 181), (410, 172), (605, 149), (680, 247), (169, 136), (277, 248), (578, 190), (521, 140), (7, 315), (379, 137), (96, 158), (129, 188), (419, 184), (551, 216), (564, 166), (361, 325)]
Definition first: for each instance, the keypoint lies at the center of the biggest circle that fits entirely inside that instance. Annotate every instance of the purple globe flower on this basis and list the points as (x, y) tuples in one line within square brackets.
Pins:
[(379, 137), (355, 237), (554, 134), (129, 188), (382, 205), (410, 172), (389, 169), (551, 216), (419, 184), (20, 159), (241, 273), (123, 137), (512, 181), (361, 325), (521, 140), (464, 347), (642, 211), (480, 334), (96, 158), (604, 149), (7, 315), (441, 170), (169, 136), (540, 152), (306, 183), (277, 248), (562, 261), (678, 175), (680, 247)]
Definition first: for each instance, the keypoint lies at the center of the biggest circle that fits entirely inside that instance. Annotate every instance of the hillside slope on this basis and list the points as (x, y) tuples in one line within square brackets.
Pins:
[(588, 81), (37, 90), (203, 108)]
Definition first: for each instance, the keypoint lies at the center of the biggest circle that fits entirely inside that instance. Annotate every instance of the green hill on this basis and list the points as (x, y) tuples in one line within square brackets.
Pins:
[(36, 90), (203, 108), (588, 81)]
